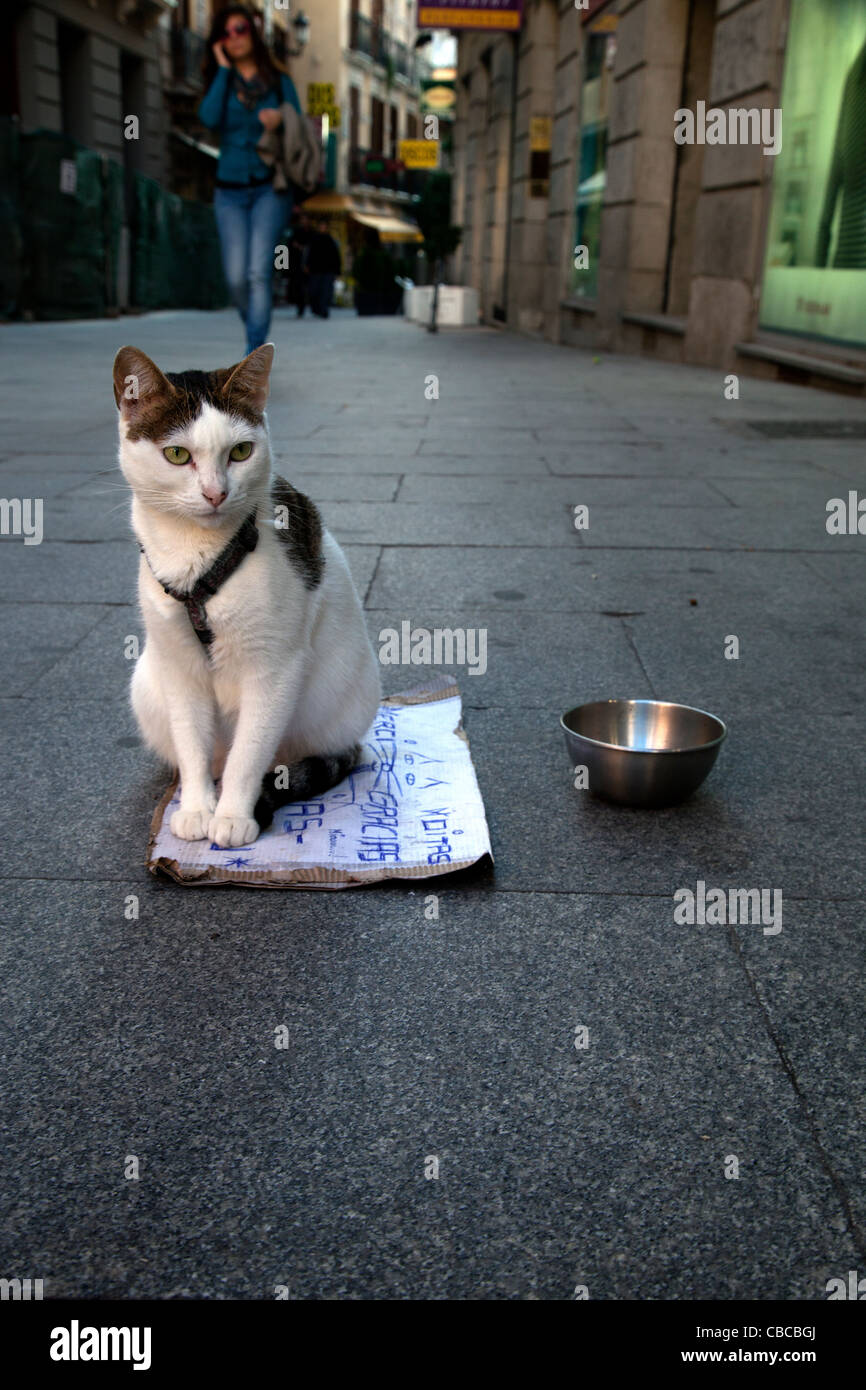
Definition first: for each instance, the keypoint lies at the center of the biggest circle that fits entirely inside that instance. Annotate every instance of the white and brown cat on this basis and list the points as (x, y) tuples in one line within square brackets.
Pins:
[(257, 657)]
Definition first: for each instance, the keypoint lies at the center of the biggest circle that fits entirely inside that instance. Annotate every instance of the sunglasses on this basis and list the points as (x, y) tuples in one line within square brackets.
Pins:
[(233, 31)]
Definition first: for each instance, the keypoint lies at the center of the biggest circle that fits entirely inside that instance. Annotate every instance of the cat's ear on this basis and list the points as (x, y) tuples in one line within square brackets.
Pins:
[(250, 379), (137, 381)]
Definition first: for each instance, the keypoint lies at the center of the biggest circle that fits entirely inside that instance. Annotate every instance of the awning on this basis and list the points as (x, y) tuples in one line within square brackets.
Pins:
[(327, 202), (389, 228), (388, 224)]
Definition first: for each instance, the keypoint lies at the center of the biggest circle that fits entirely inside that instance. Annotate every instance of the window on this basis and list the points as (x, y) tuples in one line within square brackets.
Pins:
[(75, 82), (392, 147), (377, 139), (599, 50), (354, 117), (815, 267)]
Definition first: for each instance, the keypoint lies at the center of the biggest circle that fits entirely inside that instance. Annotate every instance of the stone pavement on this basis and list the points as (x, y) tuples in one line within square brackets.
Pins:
[(603, 1166)]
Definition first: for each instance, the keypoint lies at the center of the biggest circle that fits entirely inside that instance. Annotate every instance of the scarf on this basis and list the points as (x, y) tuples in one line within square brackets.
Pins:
[(250, 94)]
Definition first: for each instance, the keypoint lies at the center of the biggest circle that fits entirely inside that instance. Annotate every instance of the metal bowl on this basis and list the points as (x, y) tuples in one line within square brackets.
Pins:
[(642, 752)]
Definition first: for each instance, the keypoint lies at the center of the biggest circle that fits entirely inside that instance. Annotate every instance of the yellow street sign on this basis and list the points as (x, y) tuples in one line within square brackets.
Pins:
[(320, 95), (419, 154), (321, 102), (540, 132)]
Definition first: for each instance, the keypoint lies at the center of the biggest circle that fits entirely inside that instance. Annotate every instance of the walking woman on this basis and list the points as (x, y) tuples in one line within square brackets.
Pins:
[(245, 88)]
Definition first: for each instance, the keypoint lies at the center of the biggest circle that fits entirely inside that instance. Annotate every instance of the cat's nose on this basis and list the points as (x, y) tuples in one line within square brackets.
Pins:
[(214, 497)]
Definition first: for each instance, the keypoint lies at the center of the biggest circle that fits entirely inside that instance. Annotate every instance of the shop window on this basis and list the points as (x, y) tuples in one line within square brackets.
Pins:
[(814, 280), (599, 49)]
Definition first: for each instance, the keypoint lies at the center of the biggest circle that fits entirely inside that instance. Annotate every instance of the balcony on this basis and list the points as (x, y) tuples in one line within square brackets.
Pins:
[(367, 37), (402, 60), (373, 41)]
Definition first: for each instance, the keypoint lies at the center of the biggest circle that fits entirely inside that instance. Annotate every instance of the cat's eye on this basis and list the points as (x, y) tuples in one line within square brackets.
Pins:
[(175, 453), (241, 452)]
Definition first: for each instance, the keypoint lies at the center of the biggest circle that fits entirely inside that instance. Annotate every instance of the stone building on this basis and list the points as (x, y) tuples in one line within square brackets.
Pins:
[(625, 180), (364, 53), (79, 67)]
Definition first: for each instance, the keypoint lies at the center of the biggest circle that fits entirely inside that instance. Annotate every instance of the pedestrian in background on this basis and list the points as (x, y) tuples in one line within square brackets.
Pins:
[(323, 265), (245, 88), (298, 247)]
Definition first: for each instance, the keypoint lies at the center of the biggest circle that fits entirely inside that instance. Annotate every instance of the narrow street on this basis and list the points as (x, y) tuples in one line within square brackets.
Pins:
[(600, 1160)]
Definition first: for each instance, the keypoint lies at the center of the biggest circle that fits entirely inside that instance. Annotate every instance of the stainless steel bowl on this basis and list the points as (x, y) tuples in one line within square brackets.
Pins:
[(642, 752)]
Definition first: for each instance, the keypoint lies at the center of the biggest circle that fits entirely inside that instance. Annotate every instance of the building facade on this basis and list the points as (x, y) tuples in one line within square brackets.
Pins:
[(360, 72), (80, 67), (110, 174), (357, 75), (685, 178)]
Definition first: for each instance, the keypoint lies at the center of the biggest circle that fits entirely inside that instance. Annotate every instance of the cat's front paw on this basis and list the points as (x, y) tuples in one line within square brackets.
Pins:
[(230, 832), (191, 825)]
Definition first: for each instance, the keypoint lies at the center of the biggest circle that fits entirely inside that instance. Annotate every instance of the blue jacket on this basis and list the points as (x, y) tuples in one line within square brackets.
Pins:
[(240, 130)]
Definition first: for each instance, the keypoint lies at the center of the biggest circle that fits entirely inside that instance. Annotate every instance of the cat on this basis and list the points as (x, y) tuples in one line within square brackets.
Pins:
[(264, 674)]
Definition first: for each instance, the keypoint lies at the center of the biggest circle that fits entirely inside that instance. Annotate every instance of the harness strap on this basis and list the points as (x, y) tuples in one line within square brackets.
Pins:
[(241, 544)]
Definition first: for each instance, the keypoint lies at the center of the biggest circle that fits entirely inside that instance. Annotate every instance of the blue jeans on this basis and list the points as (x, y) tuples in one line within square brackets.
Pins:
[(250, 220)]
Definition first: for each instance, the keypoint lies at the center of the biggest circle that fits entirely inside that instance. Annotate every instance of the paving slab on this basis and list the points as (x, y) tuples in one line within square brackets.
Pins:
[(105, 571), (34, 636), (296, 460), (399, 1031), (617, 581), (844, 573), (783, 807), (728, 657), (673, 459), (528, 665), (418, 523), (496, 489), (809, 979), (70, 571), (87, 783), (797, 527)]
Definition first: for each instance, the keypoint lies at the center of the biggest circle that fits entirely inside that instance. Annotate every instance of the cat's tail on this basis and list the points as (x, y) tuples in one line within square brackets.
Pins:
[(306, 779)]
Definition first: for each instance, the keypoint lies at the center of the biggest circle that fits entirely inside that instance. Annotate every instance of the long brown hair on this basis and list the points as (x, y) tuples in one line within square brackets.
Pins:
[(269, 69)]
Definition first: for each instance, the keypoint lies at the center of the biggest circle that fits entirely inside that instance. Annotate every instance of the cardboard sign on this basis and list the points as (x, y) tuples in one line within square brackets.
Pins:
[(412, 808)]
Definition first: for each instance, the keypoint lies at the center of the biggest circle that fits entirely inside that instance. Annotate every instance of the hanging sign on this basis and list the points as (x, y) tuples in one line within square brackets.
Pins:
[(471, 14)]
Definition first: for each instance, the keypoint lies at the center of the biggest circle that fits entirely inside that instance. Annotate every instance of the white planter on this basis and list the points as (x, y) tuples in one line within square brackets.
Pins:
[(416, 302), (457, 306)]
